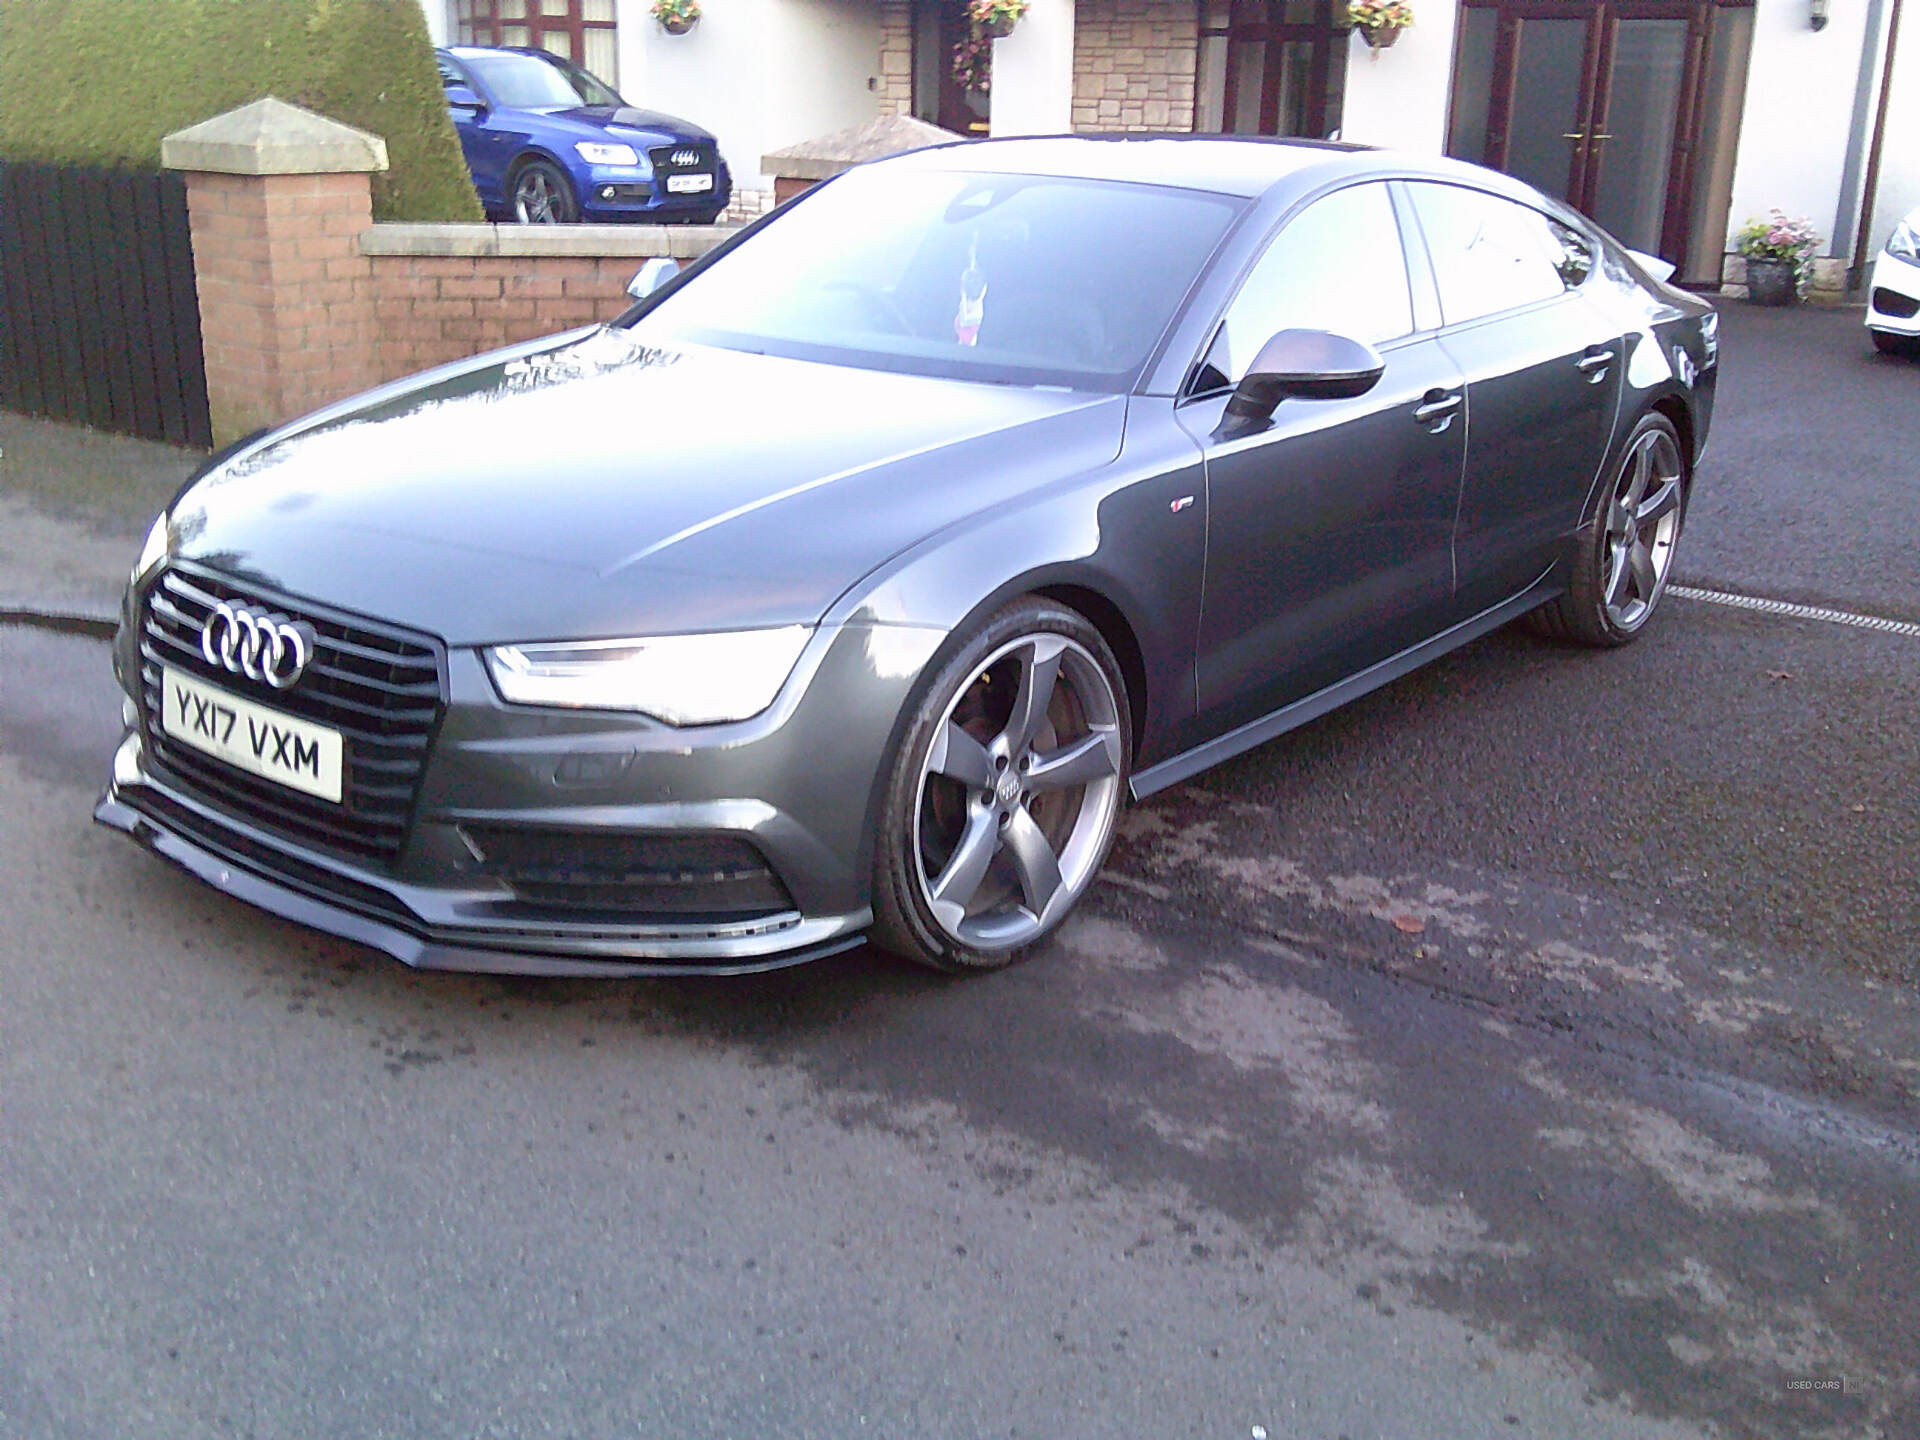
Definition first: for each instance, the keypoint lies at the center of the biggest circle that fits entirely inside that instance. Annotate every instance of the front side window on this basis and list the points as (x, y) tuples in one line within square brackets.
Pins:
[(1016, 278), (1491, 254), (1338, 265)]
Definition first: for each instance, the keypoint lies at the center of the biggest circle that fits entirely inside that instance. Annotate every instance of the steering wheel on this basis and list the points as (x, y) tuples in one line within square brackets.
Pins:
[(881, 303)]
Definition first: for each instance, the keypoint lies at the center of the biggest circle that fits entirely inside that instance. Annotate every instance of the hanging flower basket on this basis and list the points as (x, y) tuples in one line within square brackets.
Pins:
[(677, 17), (995, 19), (1379, 21)]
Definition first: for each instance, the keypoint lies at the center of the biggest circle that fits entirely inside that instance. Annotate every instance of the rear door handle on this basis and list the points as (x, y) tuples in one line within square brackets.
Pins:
[(1594, 365), (1436, 409)]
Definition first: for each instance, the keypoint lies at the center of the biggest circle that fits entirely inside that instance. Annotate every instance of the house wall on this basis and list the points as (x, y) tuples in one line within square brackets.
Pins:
[(1133, 65), (1793, 130), (760, 74), (1398, 97)]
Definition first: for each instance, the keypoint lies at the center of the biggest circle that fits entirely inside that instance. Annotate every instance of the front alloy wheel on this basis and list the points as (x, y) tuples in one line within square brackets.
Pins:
[(542, 195), (1003, 797)]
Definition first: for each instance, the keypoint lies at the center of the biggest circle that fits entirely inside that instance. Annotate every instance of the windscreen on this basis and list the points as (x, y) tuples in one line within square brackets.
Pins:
[(526, 82), (1016, 278)]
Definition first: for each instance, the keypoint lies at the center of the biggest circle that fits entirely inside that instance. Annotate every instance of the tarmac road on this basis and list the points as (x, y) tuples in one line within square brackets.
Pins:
[(1528, 1049)]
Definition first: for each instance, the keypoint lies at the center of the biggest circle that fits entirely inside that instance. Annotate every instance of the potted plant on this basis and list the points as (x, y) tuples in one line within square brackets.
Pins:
[(995, 19), (1379, 21), (1779, 256), (677, 17)]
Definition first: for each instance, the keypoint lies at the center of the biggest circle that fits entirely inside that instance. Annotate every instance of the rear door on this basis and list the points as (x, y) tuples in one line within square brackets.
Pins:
[(1543, 365), (1329, 532)]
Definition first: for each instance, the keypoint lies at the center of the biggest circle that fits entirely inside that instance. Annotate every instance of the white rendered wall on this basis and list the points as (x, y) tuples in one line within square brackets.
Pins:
[(1398, 97), (1032, 90), (438, 26), (1900, 159), (760, 74), (1793, 133)]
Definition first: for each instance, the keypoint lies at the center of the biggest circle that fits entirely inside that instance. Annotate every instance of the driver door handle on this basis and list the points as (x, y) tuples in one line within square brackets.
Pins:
[(1436, 409), (1594, 364)]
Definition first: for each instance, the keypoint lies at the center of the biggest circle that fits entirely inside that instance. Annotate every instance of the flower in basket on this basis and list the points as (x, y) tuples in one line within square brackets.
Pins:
[(1378, 15), (1777, 236), (676, 15), (995, 19)]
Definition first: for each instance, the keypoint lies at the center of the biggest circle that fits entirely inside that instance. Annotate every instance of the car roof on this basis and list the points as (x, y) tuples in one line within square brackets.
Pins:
[(1246, 166)]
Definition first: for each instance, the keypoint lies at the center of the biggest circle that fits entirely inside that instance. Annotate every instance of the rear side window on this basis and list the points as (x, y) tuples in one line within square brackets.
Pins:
[(1338, 265), (1491, 254)]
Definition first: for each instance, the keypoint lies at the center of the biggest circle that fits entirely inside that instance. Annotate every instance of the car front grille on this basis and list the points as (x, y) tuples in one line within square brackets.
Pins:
[(380, 687), (639, 878), (670, 159)]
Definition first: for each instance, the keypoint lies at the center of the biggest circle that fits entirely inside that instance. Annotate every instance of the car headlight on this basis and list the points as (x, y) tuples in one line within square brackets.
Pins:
[(681, 679), (159, 544), (595, 153), (1904, 242)]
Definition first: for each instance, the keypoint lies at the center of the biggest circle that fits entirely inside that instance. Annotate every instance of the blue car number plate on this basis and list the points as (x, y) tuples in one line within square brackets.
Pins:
[(689, 184)]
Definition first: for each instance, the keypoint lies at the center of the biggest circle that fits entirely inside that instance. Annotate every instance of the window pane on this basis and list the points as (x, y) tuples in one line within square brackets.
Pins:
[(600, 10), (514, 35), (514, 10), (1488, 254), (1249, 78), (1649, 58), (1546, 97), (557, 42), (1339, 266), (554, 7), (1473, 85), (602, 56)]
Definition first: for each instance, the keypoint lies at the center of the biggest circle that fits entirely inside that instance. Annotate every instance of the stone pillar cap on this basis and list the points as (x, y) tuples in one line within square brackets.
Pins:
[(271, 137), (826, 157)]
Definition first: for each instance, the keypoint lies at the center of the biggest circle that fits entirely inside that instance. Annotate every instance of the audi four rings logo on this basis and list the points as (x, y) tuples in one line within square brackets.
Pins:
[(250, 642), (685, 157)]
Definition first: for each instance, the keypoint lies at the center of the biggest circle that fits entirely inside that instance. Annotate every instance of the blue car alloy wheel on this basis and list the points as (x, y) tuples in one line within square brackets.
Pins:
[(548, 144)]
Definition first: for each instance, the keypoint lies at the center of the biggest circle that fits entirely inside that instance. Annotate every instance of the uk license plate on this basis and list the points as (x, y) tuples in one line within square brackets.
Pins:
[(689, 184), (265, 742)]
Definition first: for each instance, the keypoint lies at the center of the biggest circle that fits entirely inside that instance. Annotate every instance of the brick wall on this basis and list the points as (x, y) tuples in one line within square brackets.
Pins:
[(284, 291), (432, 309), (1133, 65), (304, 300)]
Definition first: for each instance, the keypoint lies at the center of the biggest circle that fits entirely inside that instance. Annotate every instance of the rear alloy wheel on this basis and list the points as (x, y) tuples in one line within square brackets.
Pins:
[(543, 196), (1002, 798), (1626, 553)]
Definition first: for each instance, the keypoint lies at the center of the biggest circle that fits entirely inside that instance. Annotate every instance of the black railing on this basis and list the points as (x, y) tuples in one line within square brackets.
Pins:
[(99, 320)]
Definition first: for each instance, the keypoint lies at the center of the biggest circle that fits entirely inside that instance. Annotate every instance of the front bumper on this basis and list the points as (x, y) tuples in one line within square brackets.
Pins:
[(1893, 296), (796, 783)]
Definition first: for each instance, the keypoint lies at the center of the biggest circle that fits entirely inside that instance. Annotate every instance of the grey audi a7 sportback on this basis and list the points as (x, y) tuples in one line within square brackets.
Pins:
[(849, 583)]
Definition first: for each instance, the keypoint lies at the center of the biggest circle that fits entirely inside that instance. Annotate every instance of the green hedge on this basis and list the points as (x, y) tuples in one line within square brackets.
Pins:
[(101, 81)]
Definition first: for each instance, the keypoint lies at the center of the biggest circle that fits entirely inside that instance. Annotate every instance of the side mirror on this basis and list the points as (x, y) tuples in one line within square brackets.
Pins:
[(461, 98), (651, 276), (1303, 365)]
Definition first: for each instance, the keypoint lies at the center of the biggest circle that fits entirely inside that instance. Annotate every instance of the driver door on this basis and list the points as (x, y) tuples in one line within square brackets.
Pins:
[(1329, 535)]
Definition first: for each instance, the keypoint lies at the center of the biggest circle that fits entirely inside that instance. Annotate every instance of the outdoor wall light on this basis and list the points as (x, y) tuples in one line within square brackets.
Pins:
[(1817, 13)]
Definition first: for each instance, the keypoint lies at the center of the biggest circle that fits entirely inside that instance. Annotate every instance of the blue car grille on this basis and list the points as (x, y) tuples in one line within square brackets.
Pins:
[(380, 687), (671, 159)]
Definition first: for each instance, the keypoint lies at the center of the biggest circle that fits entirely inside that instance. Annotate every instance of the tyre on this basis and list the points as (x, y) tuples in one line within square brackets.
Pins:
[(542, 195), (1888, 343), (1000, 800), (1624, 555)]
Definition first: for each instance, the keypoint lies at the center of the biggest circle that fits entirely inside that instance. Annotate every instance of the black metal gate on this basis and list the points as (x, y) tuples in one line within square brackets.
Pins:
[(99, 320)]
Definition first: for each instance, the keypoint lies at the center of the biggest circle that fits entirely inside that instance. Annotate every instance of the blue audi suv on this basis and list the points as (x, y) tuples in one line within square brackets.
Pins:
[(547, 143)]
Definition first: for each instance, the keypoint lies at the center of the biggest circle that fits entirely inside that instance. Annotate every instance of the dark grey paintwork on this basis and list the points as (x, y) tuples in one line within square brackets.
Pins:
[(1246, 581)]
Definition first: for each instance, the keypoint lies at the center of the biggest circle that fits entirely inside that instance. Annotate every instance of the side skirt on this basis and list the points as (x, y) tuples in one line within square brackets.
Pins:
[(1291, 717)]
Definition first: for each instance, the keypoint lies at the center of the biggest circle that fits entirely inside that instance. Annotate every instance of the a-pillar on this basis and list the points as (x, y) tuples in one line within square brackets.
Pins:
[(278, 198), (1032, 92)]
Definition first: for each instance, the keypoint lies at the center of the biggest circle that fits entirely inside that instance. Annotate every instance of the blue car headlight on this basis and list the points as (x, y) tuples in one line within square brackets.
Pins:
[(596, 152)]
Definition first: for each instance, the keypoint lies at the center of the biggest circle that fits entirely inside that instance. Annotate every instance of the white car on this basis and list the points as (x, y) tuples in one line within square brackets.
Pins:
[(1893, 299)]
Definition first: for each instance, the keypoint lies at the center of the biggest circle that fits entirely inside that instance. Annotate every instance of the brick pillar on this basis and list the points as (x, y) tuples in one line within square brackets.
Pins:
[(278, 198)]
